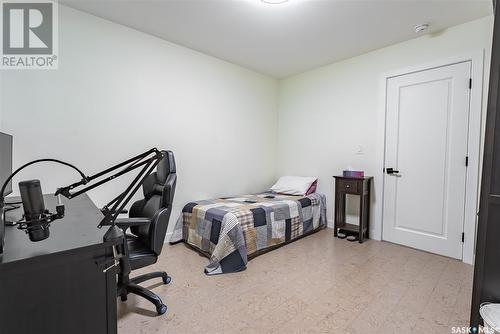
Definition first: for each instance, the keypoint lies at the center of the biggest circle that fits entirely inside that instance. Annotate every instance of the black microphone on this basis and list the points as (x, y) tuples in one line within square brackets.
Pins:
[(35, 213)]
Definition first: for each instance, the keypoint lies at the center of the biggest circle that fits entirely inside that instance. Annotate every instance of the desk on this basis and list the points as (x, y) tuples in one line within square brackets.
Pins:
[(57, 286)]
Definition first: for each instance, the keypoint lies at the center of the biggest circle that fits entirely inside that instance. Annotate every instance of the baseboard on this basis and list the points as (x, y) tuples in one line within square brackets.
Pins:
[(167, 237), (169, 234), (329, 223)]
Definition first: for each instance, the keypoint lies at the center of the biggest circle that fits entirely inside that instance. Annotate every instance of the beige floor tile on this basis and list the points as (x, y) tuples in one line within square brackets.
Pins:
[(319, 284)]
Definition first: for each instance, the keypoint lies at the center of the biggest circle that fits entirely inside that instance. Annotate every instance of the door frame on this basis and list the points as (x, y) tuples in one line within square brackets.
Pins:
[(474, 141)]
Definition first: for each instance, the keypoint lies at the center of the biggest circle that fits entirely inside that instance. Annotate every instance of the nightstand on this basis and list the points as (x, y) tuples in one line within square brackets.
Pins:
[(352, 186)]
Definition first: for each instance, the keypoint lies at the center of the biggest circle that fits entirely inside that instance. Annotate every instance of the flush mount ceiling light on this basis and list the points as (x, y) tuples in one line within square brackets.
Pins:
[(421, 27), (274, 2)]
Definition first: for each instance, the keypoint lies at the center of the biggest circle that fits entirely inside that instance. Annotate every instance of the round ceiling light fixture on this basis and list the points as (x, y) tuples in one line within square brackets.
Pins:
[(421, 27), (274, 2)]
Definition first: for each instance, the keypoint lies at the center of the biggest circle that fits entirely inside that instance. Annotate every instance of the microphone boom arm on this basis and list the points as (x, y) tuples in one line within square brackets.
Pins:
[(147, 160)]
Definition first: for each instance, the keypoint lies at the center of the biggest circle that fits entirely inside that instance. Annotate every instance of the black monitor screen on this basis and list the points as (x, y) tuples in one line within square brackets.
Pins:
[(5, 161)]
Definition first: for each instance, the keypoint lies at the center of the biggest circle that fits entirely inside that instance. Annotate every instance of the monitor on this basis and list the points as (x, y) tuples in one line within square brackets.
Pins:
[(5, 161)]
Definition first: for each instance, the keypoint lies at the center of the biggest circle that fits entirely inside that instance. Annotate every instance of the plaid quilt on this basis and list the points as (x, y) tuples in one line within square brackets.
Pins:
[(232, 229)]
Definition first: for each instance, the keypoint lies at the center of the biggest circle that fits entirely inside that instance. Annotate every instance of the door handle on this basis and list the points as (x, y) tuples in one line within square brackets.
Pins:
[(392, 171)]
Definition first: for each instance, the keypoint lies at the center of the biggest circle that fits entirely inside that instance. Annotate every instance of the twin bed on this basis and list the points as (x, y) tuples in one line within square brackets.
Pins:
[(229, 231)]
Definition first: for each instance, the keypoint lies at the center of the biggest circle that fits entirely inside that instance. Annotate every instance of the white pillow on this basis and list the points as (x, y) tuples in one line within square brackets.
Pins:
[(293, 185)]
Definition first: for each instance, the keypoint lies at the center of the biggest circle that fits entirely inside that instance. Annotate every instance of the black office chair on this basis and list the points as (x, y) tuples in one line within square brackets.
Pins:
[(147, 225)]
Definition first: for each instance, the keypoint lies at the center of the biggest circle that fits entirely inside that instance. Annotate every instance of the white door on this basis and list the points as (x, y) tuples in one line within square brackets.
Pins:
[(426, 147)]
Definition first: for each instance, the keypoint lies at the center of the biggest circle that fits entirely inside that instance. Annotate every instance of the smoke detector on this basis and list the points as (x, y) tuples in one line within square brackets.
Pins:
[(421, 27)]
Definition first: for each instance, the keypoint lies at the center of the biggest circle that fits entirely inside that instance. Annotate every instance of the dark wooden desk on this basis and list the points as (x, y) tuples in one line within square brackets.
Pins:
[(57, 285), (354, 186)]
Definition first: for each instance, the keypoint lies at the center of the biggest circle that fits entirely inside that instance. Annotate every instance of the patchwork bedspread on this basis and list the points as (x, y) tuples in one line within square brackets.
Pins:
[(231, 229)]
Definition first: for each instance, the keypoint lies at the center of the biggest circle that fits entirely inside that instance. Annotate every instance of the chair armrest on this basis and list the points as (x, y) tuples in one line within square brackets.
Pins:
[(125, 223)]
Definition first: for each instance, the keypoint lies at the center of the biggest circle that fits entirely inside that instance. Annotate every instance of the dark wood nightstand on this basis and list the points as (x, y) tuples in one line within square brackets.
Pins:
[(353, 186)]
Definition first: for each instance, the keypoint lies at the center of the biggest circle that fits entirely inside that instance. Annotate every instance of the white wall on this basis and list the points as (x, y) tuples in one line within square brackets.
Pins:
[(326, 112), (1, 99), (118, 92)]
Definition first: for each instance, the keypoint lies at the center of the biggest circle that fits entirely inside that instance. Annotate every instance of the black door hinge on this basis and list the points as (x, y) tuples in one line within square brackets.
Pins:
[(470, 83), (463, 237), (467, 161)]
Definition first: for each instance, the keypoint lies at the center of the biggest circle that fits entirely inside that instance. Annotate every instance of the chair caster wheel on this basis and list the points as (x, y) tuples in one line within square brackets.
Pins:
[(167, 280), (162, 309)]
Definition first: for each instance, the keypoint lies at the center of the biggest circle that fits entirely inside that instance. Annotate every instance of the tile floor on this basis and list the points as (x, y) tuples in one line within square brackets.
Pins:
[(319, 284)]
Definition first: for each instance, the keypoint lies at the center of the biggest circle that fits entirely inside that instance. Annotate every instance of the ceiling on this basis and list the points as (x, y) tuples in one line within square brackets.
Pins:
[(286, 39)]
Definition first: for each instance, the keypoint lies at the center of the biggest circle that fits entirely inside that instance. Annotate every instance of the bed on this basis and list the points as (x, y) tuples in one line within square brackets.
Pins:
[(231, 230)]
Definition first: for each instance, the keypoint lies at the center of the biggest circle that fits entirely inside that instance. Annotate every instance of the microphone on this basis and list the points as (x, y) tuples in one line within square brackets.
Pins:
[(34, 209), (37, 218)]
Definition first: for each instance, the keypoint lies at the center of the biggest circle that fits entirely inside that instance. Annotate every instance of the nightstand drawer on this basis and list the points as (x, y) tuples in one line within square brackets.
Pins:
[(349, 186)]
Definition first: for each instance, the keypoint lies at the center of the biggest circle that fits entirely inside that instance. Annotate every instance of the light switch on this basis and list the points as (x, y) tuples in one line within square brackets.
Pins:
[(360, 149)]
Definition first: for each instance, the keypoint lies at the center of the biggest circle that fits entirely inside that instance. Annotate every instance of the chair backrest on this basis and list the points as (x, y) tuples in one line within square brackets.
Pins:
[(159, 190)]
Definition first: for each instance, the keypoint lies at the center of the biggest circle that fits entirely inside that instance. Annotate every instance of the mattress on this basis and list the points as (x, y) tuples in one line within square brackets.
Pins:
[(230, 230)]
